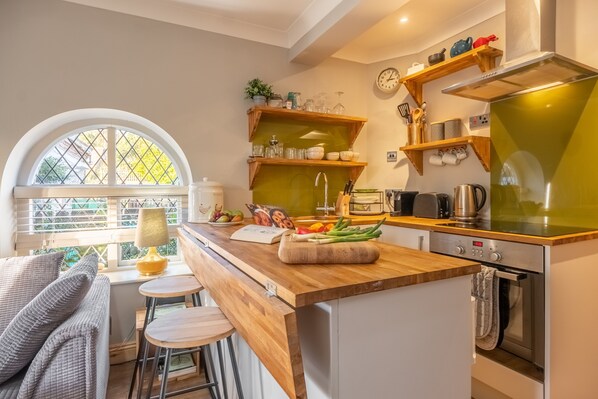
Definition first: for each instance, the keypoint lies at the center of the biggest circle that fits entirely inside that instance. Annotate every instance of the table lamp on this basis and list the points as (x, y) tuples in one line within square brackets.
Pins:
[(151, 232)]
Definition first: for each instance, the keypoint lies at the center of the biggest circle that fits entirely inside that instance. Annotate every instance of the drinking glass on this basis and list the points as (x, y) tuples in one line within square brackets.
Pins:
[(270, 152), (309, 105), (280, 150), (339, 108), (290, 153), (297, 104), (258, 150)]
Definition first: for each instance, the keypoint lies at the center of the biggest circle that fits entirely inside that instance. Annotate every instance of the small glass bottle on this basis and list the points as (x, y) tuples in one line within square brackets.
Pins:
[(297, 104), (290, 104)]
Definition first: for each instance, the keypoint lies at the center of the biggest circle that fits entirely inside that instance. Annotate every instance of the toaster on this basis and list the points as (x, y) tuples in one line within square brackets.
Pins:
[(431, 205), (403, 203)]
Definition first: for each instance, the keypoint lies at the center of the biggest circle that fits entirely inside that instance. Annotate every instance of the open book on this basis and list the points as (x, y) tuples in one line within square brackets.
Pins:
[(257, 233)]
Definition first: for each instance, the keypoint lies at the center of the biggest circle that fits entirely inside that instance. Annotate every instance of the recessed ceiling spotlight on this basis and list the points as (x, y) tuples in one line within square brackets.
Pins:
[(404, 20)]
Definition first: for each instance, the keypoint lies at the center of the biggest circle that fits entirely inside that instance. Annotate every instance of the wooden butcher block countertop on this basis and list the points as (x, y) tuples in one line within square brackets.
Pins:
[(301, 285)]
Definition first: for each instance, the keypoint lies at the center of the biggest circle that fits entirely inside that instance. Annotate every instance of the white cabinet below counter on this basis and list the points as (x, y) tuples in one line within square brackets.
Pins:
[(406, 237)]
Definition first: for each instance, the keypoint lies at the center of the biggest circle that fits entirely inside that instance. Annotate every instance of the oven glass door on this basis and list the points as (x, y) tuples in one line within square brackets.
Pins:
[(523, 336), (519, 331)]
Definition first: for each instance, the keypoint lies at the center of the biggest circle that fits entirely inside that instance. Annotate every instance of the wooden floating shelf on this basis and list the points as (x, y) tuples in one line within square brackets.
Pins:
[(484, 57), (256, 163), (479, 144), (257, 114)]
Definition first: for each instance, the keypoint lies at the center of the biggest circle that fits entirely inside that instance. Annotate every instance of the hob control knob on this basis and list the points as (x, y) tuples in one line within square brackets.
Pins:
[(459, 249), (495, 256)]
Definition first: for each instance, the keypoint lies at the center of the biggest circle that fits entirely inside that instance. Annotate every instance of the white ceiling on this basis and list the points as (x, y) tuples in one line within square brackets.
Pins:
[(365, 31)]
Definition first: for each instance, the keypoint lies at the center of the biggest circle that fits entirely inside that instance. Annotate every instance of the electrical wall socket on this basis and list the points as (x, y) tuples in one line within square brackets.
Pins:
[(390, 193), (479, 121), (391, 156)]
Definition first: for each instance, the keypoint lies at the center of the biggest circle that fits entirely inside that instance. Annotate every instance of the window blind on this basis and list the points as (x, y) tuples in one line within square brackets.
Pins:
[(63, 216)]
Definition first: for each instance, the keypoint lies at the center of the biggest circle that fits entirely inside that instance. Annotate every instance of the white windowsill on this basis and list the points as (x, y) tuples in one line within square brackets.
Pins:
[(130, 276)]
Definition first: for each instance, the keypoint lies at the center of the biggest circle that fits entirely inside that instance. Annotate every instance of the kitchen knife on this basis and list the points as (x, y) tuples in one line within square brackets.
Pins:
[(346, 189), (351, 184)]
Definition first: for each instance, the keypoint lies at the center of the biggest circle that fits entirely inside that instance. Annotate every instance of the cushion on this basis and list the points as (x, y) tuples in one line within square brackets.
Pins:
[(27, 332), (21, 279)]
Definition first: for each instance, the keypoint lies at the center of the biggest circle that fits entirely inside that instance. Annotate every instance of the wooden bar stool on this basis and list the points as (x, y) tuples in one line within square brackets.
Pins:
[(190, 328), (163, 287)]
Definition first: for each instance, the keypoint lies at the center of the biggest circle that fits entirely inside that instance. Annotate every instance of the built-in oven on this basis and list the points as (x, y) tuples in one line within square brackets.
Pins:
[(520, 272)]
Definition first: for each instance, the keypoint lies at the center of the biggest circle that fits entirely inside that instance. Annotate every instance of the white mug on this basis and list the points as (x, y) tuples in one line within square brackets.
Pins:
[(461, 153), (450, 159), (436, 159)]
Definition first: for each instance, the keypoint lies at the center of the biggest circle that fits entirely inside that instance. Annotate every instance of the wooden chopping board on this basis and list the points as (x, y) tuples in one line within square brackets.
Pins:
[(301, 252)]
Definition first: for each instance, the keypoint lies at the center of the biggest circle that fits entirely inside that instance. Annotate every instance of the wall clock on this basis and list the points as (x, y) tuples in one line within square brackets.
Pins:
[(388, 80)]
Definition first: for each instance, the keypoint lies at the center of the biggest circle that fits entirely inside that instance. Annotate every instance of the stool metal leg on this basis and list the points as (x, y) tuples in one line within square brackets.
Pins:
[(154, 371), (196, 299), (233, 360), (142, 343), (214, 391), (165, 373), (222, 372), (146, 347)]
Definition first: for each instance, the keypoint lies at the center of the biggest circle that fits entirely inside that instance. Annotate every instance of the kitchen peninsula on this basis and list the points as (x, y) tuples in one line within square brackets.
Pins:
[(397, 327)]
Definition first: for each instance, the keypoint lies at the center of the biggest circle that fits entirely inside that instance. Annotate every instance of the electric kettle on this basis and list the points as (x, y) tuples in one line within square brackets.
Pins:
[(466, 203)]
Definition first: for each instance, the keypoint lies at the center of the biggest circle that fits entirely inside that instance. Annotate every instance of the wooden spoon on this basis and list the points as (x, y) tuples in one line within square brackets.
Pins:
[(417, 114)]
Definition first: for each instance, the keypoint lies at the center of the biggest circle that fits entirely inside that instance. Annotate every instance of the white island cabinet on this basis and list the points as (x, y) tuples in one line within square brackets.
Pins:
[(402, 343)]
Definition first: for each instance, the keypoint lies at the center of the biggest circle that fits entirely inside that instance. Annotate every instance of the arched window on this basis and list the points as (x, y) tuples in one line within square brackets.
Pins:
[(85, 191)]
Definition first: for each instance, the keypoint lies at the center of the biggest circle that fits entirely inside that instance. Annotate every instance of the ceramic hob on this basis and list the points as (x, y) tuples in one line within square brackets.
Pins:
[(530, 229)]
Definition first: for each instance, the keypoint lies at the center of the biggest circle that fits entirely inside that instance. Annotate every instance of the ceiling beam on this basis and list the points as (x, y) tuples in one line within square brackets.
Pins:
[(348, 20)]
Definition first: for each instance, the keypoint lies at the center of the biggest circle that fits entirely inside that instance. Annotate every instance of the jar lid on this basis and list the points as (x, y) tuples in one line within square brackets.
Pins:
[(206, 183)]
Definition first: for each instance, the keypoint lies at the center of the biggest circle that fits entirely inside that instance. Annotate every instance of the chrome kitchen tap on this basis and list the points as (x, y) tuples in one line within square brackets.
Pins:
[(324, 208)]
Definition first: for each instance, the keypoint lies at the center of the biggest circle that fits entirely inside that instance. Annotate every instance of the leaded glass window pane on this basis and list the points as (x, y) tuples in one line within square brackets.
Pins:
[(78, 159), (140, 161), (68, 214), (130, 252), (129, 209)]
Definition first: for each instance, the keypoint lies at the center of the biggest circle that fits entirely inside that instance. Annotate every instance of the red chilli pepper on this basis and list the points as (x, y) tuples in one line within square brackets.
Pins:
[(303, 230)]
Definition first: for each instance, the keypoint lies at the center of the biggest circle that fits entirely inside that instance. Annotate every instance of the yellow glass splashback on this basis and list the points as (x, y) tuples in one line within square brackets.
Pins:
[(545, 156), (293, 187)]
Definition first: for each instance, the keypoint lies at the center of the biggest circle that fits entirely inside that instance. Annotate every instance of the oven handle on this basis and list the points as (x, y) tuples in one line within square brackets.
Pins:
[(510, 275)]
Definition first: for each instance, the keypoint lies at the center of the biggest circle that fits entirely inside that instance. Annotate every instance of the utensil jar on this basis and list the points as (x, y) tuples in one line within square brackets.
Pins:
[(415, 133)]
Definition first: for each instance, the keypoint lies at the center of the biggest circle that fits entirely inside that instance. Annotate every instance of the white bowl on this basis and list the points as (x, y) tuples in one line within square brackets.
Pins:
[(314, 155), (346, 155), (355, 156), (317, 149), (332, 156)]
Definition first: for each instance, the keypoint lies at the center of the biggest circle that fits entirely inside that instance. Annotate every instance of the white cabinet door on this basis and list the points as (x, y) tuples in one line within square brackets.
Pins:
[(406, 237)]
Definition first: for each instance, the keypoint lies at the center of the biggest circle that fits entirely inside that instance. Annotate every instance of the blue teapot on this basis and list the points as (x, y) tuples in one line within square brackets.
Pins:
[(461, 46)]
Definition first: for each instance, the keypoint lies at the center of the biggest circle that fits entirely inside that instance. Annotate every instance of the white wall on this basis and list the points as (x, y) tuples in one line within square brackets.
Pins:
[(387, 130)]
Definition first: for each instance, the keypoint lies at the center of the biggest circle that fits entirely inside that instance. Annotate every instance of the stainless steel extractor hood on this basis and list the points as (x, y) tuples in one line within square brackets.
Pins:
[(531, 62)]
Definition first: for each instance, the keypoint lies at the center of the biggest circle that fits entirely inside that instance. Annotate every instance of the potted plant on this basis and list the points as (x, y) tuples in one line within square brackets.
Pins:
[(258, 91)]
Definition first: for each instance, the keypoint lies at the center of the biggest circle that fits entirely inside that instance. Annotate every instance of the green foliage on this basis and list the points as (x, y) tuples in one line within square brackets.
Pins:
[(51, 171), (255, 87)]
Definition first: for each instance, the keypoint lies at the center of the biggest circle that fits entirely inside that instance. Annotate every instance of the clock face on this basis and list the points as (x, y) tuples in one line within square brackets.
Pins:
[(388, 80)]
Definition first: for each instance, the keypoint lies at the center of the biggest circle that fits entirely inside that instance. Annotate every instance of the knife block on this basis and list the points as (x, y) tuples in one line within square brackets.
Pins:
[(341, 208)]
